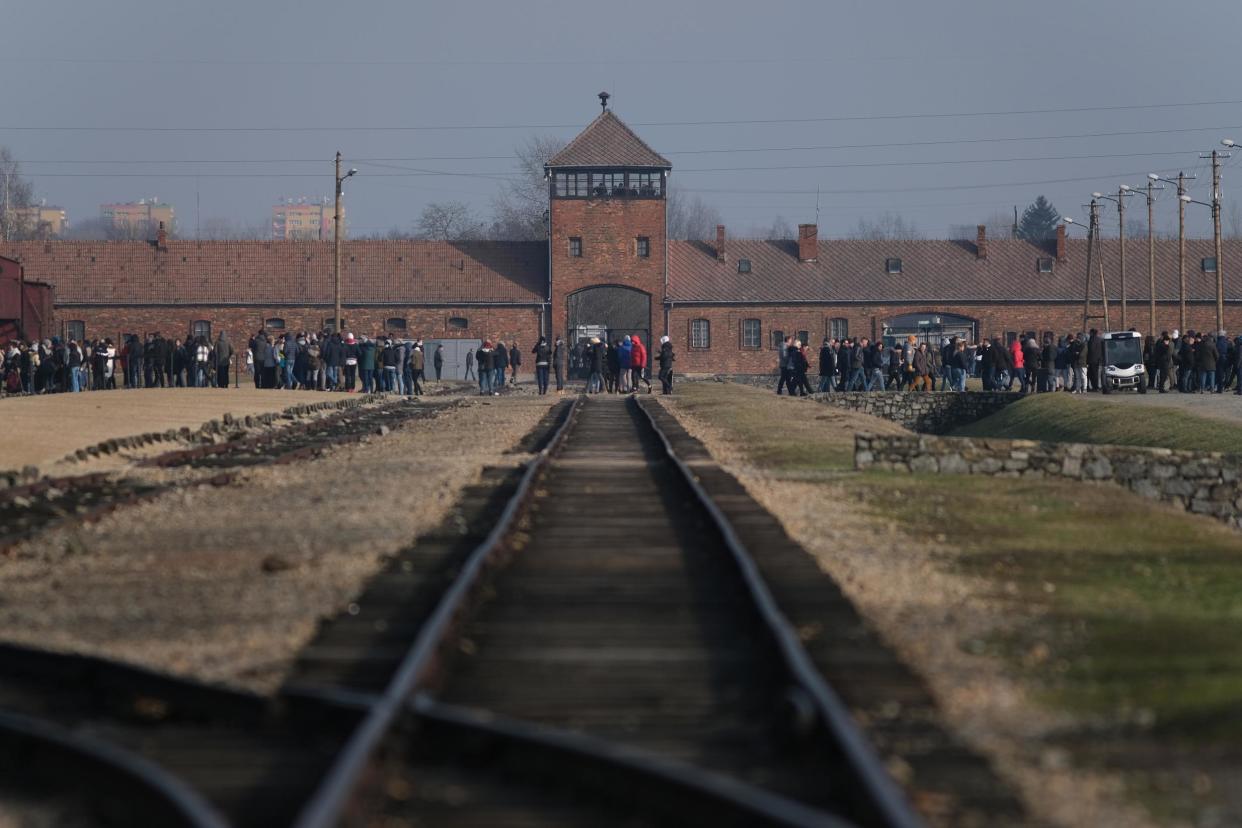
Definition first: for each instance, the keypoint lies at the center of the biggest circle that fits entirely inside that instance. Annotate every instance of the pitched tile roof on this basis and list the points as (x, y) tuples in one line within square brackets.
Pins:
[(608, 142), (286, 272), (935, 272)]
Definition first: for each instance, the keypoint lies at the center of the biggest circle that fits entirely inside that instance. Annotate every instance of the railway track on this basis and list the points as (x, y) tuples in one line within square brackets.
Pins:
[(589, 640), (627, 642)]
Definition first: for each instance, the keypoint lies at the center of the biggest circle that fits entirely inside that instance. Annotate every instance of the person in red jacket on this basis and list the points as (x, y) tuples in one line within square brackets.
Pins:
[(1019, 366), (638, 365)]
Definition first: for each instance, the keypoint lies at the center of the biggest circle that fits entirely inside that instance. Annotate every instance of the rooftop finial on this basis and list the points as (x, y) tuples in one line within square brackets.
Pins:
[(603, 100)]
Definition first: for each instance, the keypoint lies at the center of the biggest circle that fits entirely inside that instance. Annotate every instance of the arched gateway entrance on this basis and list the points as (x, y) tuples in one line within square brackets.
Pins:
[(609, 312)]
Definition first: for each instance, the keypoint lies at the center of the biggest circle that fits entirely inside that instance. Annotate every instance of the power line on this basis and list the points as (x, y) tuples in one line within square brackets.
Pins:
[(865, 164), (503, 176), (865, 190), (729, 122)]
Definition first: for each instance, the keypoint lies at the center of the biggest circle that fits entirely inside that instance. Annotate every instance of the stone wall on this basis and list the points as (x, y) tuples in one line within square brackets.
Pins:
[(934, 413), (1201, 482)]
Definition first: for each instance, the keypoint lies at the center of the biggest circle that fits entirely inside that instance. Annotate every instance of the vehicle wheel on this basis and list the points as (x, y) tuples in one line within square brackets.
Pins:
[(1142, 386), (1106, 387)]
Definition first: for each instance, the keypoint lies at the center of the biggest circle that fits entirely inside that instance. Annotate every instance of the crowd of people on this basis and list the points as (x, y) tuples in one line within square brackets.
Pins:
[(618, 368), (332, 361), (325, 361), (57, 364), (1186, 362)]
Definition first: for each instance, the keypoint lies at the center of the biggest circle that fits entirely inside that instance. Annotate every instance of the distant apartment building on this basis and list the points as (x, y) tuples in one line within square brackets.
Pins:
[(139, 218), (303, 220), (40, 221)]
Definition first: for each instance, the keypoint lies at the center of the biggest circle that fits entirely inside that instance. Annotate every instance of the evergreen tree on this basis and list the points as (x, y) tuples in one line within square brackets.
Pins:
[(1039, 221)]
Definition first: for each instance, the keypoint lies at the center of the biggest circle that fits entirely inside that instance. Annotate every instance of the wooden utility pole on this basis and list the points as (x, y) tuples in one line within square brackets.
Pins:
[(336, 250), (1104, 293), (1122, 192), (1220, 264), (1151, 257), (1092, 224), (1181, 253)]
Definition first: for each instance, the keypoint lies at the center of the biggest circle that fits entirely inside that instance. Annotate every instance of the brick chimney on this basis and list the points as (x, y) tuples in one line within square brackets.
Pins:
[(981, 242), (1062, 253), (720, 243), (808, 242), (161, 238)]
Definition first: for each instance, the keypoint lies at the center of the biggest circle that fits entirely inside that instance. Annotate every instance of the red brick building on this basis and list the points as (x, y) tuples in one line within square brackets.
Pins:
[(608, 268)]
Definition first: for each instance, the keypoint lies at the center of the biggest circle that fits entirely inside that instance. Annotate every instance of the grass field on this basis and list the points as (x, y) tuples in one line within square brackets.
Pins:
[(1125, 615), (1066, 418), (778, 432)]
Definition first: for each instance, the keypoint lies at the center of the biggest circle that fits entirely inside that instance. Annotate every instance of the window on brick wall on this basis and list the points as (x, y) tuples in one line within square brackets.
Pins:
[(201, 327), (575, 246), (329, 324), (395, 323), (838, 328), (572, 185), (458, 322), (892, 265), (778, 339), (75, 329), (643, 247), (274, 324), (804, 337), (700, 333), (752, 334), (1044, 264)]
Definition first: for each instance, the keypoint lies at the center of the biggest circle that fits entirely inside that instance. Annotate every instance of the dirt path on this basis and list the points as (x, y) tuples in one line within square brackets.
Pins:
[(228, 583), (40, 430)]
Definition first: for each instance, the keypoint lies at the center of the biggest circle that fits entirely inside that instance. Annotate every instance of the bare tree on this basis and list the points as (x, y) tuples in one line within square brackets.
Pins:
[(780, 230), (1233, 220), (887, 225), (690, 217), (517, 210), (16, 193), (447, 220), (999, 226)]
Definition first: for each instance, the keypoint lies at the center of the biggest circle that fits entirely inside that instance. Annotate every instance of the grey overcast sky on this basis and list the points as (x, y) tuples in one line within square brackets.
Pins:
[(487, 75)]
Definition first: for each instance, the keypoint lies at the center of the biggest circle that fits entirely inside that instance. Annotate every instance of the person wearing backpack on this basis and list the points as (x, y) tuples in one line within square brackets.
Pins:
[(543, 356)]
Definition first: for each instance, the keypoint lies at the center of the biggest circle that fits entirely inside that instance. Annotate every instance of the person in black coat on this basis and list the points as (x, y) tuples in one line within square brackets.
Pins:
[(515, 362), (1095, 359), (827, 366), (500, 359), (598, 362), (797, 363), (666, 359), (1206, 357), (437, 360), (613, 379)]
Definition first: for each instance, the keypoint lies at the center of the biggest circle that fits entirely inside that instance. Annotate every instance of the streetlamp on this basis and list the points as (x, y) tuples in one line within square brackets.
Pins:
[(336, 242), (1123, 191), (1214, 206), (1092, 232), (1180, 181)]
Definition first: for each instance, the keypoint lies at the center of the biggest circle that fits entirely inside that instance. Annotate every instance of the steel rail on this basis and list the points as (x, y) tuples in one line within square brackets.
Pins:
[(884, 797), (738, 802), (325, 808), (173, 798)]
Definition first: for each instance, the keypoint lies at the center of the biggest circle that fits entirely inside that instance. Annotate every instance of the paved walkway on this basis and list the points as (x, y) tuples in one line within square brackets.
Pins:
[(1226, 406), (42, 429)]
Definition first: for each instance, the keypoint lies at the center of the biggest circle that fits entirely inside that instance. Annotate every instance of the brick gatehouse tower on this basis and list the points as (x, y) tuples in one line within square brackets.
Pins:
[(608, 257)]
